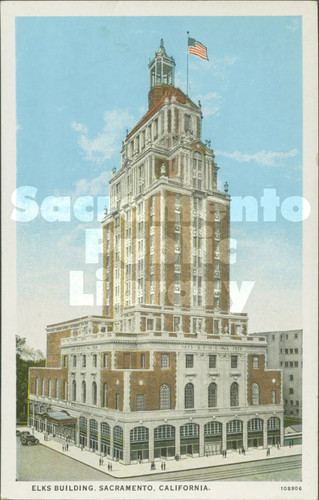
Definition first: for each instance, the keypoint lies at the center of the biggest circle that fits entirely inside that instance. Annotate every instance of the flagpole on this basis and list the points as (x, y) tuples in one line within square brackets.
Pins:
[(187, 65)]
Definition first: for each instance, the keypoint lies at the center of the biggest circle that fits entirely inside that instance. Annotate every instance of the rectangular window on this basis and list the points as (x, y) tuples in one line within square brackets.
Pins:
[(286, 364), (291, 377), (140, 402), (94, 360), (65, 361), (291, 390), (117, 401), (150, 324), (297, 402), (105, 361), (255, 362), (273, 337), (286, 351), (291, 351), (84, 360), (296, 335), (74, 361), (165, 361), (177, 323), (273, 397), (296, 364), (280, 337), (143, 361), (234, 361), (296, 351), (281, 363), (189, 360), (291, 364), (212, 361)]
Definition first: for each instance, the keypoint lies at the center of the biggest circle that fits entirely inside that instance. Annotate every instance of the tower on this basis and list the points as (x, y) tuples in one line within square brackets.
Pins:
[(166, 370)]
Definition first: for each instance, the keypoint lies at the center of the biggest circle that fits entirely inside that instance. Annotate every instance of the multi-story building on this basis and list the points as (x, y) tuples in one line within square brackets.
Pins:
[(284, 352), (167, 370)]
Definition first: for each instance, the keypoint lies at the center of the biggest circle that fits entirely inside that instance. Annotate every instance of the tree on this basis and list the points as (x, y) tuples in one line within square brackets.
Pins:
[(22, 367)]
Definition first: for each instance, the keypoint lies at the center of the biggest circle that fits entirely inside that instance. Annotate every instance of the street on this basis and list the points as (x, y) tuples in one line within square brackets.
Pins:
[(39, 463)]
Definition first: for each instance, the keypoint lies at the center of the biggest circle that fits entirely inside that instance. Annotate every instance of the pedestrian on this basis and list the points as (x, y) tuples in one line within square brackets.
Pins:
[(62, 447), (108, 466), (100, 461), (67, 446), (161, 465)]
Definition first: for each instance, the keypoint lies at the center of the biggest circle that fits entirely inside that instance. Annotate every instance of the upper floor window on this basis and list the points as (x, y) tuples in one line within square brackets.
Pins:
[(105, 360), (187, 123), (212, 395), (255, 394), (234, 361), (212, 361), (83, 360), (140, 402), (273, 397), (95, 360), (165, 397), (234, 394), (197, 171), (189, 360), (165, 361), (177, 323), (143, 361), (189, 396), (255, 362)]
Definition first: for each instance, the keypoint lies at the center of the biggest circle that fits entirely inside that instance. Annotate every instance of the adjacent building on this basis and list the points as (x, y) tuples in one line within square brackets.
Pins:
[(166, 370), (284, 352)]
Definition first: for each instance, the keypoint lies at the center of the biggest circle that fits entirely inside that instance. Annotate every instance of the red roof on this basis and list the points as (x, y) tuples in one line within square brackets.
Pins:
[(173, 91)]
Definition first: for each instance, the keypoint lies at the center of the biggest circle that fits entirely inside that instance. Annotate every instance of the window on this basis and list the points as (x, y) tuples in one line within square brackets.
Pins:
[(117, 401), (212, 361), (189, 430), (165, 397), (256, 424), (291, 402), (297, 402), (57, 388), (291, 377), (177, 323), (286, 351), (140, 402), (94, 360), (73, 390), (212, 395), (296, 351), (234, 427), (105, 360), (280, 337), (74, 361), (291, 390), (65, 361), (296, 364), (273, 397), (143, 361), (165, 361), (281, 363), (189, 396), (286, 336), (189, 360), (83, 360), (187, 122), (286, 364), (94, 393), (139, 434), (291, 364), (273, 423), (280, 351), (50, 388), (83, 391), (164, 432), (296, 335), (255, 394), (150, 324), (291, 351), (234, 396), (234, 361), (255, 362), (273, 337), (105, 395)]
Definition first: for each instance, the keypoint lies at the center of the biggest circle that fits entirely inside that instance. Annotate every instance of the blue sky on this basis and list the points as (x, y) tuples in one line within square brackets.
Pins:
[(81, 82)]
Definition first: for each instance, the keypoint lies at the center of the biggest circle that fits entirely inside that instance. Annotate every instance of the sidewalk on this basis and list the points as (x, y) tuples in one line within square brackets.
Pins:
[(124, 471)]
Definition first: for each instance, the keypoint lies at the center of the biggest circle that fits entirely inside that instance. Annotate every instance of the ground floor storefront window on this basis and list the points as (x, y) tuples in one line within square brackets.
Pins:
[(255, 433), (118, 443), (273, 431), (213, 438), (189, 435), (164, 441), (93, 435), (234, 435), (105, 439), (139, 438), (83, 432)]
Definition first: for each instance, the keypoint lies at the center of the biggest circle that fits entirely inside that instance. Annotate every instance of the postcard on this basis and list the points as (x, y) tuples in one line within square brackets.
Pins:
[(159, 250)]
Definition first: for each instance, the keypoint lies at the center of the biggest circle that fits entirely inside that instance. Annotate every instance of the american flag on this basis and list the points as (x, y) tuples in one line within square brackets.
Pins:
[(197, 48)]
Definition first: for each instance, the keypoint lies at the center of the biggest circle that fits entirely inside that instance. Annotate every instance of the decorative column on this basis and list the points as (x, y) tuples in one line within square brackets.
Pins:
[(224, 436), (177, 440), (151, 443), (201, 440), (245, 437), (111, 442), (99, 437), (126, 445), (265, 433), (126, 392)]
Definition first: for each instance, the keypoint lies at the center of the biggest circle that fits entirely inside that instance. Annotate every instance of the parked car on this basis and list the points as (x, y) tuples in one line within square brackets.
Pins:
[(28, 439)]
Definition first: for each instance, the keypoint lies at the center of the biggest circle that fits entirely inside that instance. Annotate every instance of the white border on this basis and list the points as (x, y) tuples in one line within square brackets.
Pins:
[(221, 490)]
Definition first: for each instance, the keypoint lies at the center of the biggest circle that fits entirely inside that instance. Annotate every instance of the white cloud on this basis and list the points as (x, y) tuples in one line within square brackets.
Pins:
[(106, 143), (267, 158), (99, 186), (216, 65)]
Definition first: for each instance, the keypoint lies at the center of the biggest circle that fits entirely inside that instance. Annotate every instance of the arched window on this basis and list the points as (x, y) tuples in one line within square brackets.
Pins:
[(165, 397), (50, 388), (234, 394), (212, 395), (37, 386), (105, 395), (73, 390), (83, 391), (57, 388), (94, 393), (255, 394), (66, 391), (189, 396)]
